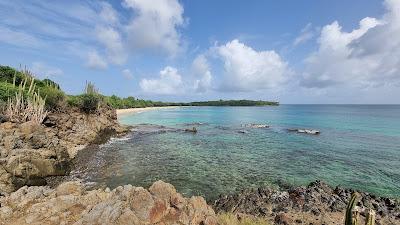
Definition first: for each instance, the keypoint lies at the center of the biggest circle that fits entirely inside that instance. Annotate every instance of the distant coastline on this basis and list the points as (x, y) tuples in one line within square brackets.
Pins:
[(121, 112)]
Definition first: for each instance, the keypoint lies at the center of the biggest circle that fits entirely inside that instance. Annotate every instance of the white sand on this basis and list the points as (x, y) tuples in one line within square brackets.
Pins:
[(121, 112)]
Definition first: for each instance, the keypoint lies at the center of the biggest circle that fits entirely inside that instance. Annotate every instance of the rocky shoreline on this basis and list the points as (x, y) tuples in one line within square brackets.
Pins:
[(314, 204), (70, 203), (29, 153), (32, 154)]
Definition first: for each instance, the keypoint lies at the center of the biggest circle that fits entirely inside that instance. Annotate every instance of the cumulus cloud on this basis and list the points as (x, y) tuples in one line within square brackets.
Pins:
[(127, 74), (201, 70), (169, 83), (43, 70), (368, 56), (156, 25), (95, 61), (249, 70)]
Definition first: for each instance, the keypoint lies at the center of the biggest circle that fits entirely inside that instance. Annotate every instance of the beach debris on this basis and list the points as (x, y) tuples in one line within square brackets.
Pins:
[(192, 130), (304, 131), (254, 125)]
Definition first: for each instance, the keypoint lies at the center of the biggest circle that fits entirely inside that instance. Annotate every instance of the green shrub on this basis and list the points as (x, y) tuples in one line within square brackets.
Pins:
[(74, 101), (55, 98), (90, 102), (7, 90), (7, 74)]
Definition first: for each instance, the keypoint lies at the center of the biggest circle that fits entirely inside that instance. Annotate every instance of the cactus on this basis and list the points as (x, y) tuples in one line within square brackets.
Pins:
[(370, 218), (353, 212), (349, 210)]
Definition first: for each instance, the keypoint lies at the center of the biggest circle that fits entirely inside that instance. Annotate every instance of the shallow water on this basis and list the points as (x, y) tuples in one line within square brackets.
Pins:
[(359, 147)]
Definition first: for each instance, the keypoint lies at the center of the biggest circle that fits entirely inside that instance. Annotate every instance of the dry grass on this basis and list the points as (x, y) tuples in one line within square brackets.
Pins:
[(232, 219), (26, 105)]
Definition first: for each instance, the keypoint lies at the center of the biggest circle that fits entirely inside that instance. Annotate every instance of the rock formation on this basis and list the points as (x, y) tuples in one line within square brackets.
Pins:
[(30, 152), (315, 204), (70, 203)]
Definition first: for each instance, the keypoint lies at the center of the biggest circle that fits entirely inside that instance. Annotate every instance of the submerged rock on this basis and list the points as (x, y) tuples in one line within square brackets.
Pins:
[(192, 130), (253, 125), (69, 203), (243, 131), (304, 131)]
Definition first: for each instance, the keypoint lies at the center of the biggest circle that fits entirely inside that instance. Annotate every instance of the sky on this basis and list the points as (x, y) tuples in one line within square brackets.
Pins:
[(301, 52)]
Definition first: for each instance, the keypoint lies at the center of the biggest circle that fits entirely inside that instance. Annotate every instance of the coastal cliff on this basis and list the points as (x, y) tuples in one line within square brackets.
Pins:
[(30, 152)]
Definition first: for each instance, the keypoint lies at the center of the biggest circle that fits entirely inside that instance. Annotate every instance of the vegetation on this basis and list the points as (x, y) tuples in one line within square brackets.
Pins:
[(13, 82), (27, 104), (353, 213), (231, 219), (234, 103)]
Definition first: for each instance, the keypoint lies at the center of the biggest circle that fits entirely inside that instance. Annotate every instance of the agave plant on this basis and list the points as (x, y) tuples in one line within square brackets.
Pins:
[(26, 105), (353, 212)]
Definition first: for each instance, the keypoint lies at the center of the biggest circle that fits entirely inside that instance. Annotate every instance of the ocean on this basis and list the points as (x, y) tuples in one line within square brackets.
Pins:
[(358, 147)]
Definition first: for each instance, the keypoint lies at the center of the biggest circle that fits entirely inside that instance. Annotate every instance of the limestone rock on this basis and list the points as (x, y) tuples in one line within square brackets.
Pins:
[(30, 152), (69, 203)]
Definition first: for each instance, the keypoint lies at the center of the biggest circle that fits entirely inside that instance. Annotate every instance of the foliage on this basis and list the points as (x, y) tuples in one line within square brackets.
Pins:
[(7, 90), (54, 97), (233, 103), (231, 219), (30, 107), (91, 99), (10, 79), (89, 103)]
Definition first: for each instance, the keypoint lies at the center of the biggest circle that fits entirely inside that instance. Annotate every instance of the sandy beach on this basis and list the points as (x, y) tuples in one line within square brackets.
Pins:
[(121, 112)]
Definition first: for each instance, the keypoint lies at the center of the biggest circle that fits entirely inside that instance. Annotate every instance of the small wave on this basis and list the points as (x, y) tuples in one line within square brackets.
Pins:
[(115, 140)]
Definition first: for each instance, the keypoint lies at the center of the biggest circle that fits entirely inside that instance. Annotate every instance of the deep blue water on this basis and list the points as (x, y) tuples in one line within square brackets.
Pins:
[(359, 147)]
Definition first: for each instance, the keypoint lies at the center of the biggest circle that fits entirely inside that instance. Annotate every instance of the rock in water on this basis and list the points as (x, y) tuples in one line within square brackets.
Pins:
[(69, 203)]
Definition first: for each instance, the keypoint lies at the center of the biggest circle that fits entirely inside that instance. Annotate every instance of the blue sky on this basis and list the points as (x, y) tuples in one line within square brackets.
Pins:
[(304, 51)]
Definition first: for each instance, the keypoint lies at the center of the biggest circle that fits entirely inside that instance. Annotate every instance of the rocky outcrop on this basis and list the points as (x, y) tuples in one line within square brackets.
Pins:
[(30, 152), (70, 203), (315, 204)]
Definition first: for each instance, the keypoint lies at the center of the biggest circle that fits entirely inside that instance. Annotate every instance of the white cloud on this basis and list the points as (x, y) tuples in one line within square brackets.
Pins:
[(169, 83), (95, 61), (249, 70), (108, 14), (365, 57), (42, 70), (201, 70), (156, 25), (306, 34), (18, 38), (127, 74), (111, 39)]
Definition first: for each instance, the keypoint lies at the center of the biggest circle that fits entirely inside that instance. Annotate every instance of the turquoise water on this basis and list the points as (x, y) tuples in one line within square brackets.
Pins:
[(359, 147)]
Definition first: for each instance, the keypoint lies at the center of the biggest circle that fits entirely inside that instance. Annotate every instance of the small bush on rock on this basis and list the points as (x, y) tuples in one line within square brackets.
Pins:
[(55, 98), (90, 102)]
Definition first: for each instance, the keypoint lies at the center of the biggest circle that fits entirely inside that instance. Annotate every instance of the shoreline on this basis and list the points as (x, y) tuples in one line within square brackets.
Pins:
[(123, 112)]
